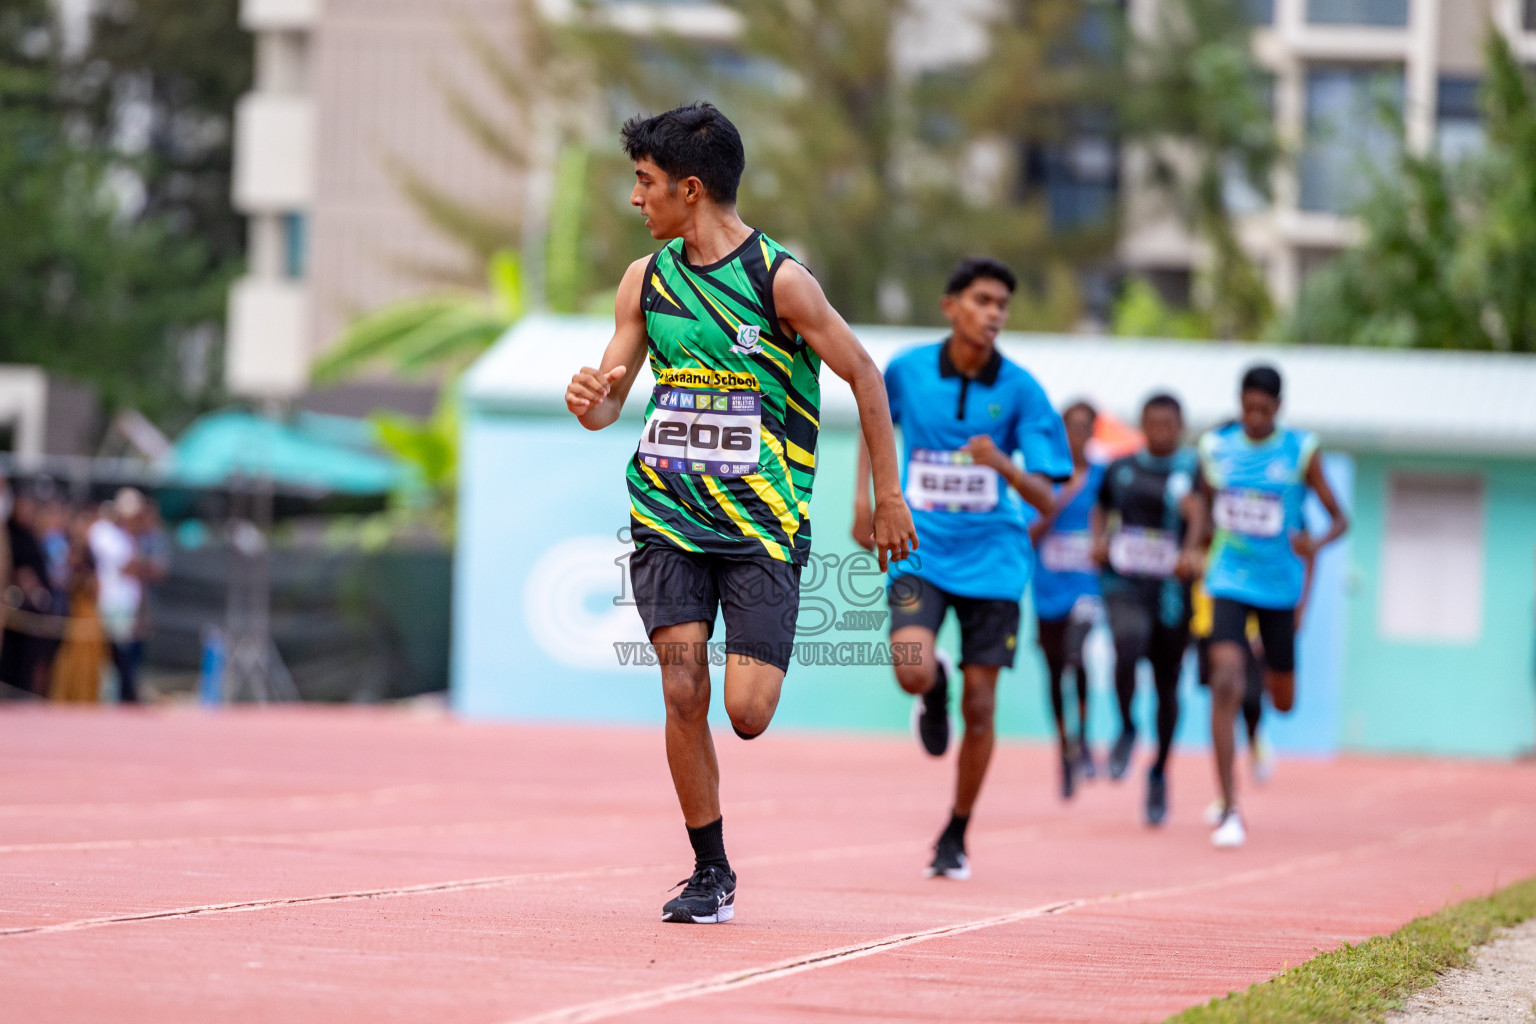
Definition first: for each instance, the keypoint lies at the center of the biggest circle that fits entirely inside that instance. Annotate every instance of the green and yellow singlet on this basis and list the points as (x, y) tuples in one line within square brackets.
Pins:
[(728, 452)]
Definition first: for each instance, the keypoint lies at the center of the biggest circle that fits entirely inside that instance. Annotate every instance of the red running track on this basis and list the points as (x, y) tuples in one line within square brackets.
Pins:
[(331, 865)]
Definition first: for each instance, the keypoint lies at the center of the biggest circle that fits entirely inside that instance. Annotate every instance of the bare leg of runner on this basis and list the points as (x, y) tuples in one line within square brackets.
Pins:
[(752, 691), (1226, 700), (916, 676), (1282, 689), (978, 706), (690, 748)]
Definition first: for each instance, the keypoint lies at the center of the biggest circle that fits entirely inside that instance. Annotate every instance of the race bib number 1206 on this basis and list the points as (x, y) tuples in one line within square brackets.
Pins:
[(714, 433)]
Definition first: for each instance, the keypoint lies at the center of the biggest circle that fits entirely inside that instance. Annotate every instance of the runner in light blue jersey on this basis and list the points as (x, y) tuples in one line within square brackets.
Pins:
[(1066, 592), (964, 412), (1255, 475)]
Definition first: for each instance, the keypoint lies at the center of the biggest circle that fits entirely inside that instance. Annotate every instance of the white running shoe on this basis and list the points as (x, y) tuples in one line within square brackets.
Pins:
[(1230, 834), (1214, 811), (1263, 760)]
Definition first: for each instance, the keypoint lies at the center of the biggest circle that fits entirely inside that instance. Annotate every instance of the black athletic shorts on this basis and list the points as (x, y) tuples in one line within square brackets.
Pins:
[(989, 627), (760, 598), (1277, 630)]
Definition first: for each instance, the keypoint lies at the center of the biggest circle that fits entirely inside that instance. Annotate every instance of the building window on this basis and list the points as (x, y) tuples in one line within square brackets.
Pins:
[(1458, 123), (1079, 177), (295, 245), (1381, 13), (1348, 133), (1262, 12), (1432, 559), (1530, 15)]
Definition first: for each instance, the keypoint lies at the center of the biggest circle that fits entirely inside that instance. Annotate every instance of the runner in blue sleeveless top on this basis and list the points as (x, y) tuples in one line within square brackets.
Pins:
[(964, 412), (1066, 591), (1254, 478)]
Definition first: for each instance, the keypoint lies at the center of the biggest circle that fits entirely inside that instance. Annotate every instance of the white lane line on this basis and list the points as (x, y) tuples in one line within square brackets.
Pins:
[(461, 885), (299, 901), (606, 1008), (603, 1009)]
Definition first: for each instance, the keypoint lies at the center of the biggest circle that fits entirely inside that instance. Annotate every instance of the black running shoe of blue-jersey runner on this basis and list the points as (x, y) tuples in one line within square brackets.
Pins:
[(933, 716)]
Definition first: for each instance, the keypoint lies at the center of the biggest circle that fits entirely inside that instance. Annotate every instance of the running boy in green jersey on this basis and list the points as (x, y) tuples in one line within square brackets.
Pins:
[(736, 331)]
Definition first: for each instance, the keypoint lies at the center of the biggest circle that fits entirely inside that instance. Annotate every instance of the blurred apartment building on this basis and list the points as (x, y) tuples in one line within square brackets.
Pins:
[(344, 90), (346, 87), (1331, 63)]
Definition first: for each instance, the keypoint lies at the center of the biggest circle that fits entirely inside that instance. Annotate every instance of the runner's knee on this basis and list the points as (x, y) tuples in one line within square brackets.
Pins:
[(916, 679), (978, 708), (1227, 680), (685, 693), (1282, 691), (750, 713)]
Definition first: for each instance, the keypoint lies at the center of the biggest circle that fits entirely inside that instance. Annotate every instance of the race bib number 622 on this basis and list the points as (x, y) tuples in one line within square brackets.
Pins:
[(715, 433), (949, 481)]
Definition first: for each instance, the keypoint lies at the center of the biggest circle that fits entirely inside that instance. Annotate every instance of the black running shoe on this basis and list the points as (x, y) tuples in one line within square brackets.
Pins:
[(1069, 763), (1085, 767), (949, 861), (1157, 798), (708, 897), (1120, 755), (933, 713)]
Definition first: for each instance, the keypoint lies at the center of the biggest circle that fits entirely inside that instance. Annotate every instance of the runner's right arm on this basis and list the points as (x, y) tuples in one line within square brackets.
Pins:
[(596, 396), (1034, 488)]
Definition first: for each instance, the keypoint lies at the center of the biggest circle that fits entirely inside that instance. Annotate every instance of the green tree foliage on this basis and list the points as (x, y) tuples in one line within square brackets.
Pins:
[(88, 288), (421, 336), (879, 179), (1196, 100), (180, 65), (1449, 256)]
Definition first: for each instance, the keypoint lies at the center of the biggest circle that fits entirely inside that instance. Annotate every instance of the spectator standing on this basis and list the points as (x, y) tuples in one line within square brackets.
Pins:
[(27, 593), (76, 674), (119, 592)]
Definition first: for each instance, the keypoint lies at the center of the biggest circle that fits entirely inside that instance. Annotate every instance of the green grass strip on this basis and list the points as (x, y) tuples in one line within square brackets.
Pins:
[(1366, 981)]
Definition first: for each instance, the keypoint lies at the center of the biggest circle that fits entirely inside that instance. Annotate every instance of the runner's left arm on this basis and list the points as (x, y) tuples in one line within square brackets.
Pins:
[(805, 311), (1303, 542)]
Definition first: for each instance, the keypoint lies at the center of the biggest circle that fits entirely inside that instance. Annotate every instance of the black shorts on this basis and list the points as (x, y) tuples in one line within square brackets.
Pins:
[(989, 627), (1136, 623), (1277, 630), (760, 598)]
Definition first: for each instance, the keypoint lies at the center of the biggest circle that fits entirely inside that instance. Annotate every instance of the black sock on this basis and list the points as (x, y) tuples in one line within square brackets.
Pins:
[(955, 830), (709, 845)]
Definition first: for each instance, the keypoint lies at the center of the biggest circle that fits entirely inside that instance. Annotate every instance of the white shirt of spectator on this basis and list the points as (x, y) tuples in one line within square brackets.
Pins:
[(120, 596)]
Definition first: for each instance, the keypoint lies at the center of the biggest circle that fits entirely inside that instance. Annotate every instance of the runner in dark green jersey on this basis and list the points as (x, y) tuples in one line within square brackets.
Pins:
[(735, 330)]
